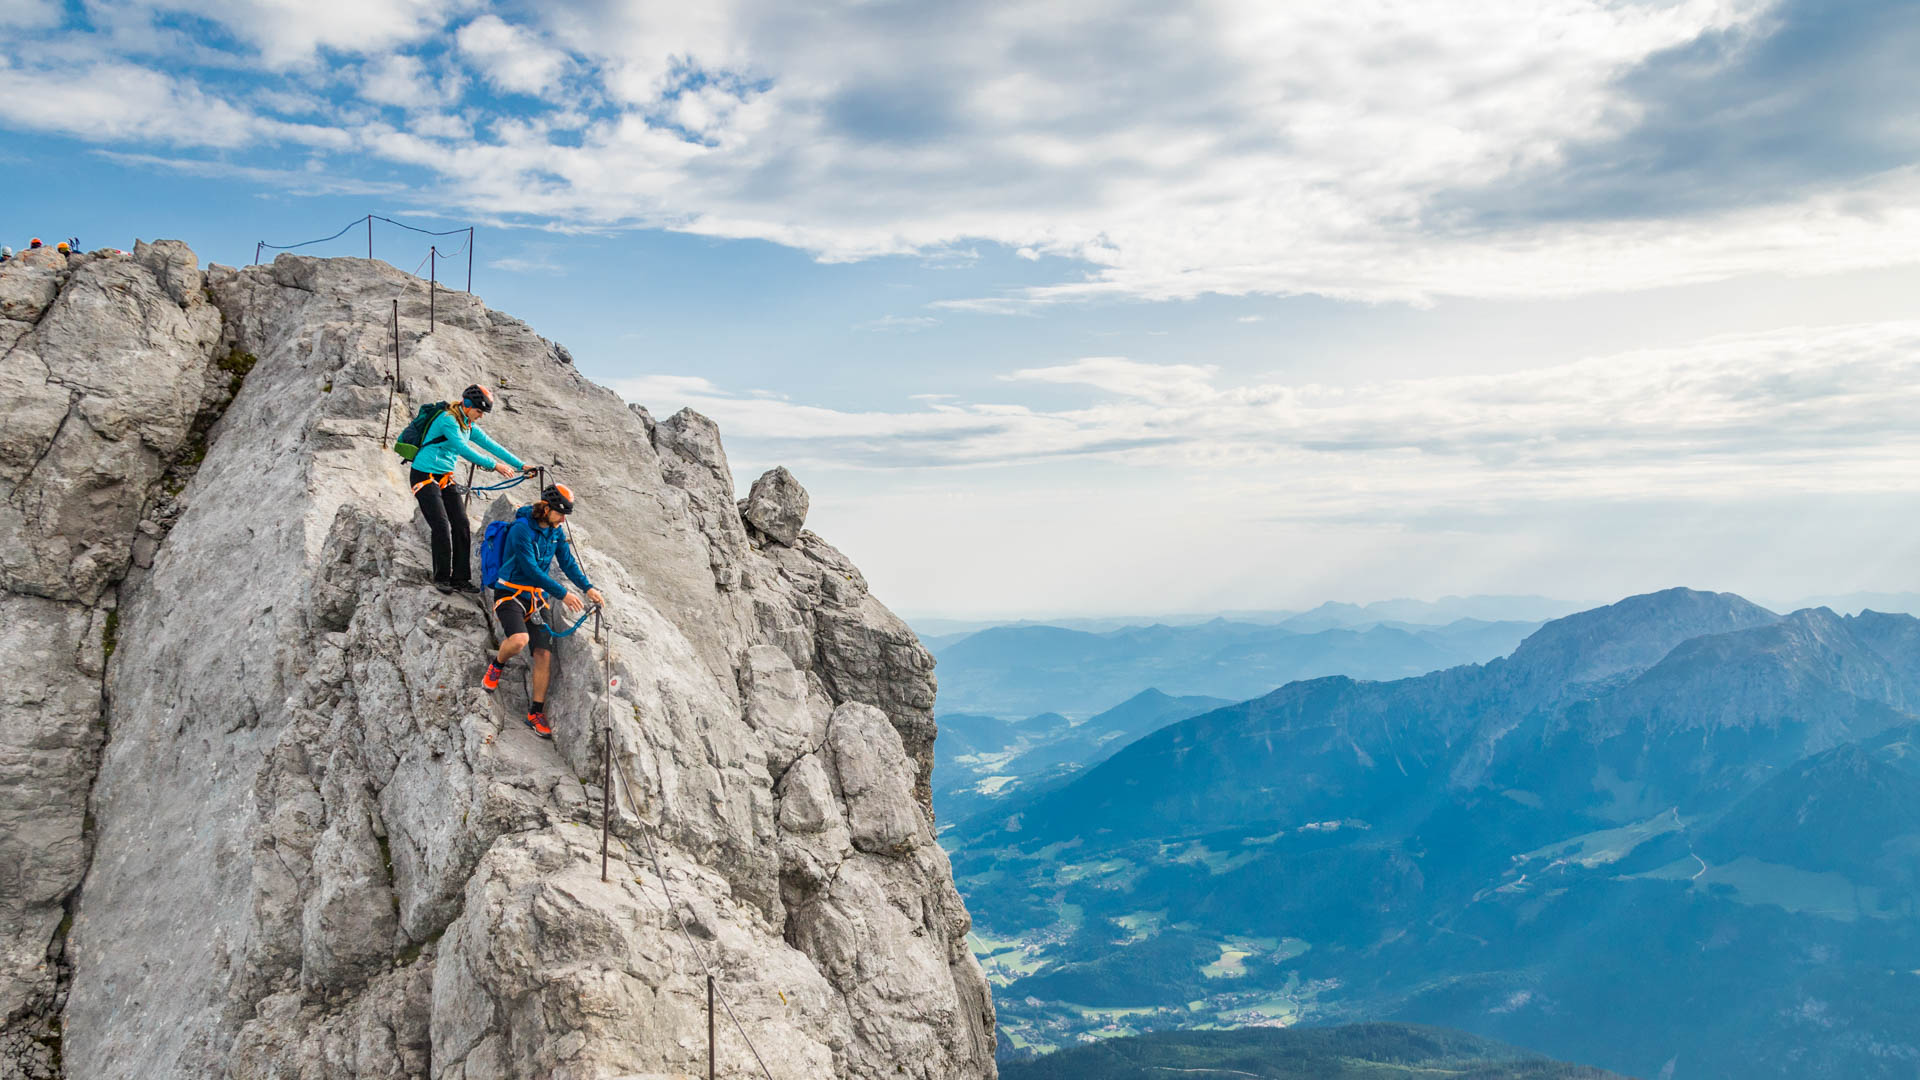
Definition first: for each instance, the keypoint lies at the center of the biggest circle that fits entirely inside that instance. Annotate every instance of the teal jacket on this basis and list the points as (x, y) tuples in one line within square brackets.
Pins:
[(531, 550), (445, 444)]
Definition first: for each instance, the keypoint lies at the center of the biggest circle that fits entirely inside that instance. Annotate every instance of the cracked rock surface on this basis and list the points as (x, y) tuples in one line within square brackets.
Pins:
[(106, 375), (317, 849)]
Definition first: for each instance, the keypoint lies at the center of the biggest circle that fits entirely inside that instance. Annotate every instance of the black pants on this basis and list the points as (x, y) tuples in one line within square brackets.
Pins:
[(447, 524)]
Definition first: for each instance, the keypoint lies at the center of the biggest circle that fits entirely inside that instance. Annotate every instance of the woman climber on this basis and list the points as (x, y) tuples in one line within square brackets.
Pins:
[(533, 542), (451, 436)]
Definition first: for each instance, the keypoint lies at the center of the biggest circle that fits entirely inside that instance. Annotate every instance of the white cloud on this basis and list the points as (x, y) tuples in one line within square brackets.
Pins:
[(290, 32), (310, 181), (29, 14), (510, 57), (1227, 147), (434, 125), (1164, 383), (527, 264), (1822, 410), (116, 102), (906, 324), (403, 80)]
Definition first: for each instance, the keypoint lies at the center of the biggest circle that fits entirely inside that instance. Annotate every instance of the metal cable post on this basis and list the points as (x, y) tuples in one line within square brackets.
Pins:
[(606, 794), (369, 236), (433, 283), (711, 1039), (606, 778)]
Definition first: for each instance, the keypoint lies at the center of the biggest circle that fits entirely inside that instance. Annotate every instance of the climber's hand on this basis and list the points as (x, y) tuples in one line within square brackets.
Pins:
[(573, 601), (505, 469), (594, 595)]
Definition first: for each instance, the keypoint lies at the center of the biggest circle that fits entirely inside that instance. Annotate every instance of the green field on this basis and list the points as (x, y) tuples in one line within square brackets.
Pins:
[(1803, 892)]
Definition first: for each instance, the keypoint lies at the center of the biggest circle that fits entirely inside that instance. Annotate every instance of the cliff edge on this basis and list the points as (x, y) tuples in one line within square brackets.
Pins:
[(259, 819)]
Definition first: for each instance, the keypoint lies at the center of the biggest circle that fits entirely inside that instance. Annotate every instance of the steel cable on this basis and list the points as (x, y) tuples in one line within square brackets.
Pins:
[(673, 902)]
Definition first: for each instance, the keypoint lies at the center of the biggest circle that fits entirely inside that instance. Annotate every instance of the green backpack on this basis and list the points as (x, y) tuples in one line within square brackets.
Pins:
[(408, 444)]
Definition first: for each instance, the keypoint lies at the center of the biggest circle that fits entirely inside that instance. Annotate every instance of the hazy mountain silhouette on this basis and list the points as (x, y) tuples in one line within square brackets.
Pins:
[(1019, 670), (982, 761)]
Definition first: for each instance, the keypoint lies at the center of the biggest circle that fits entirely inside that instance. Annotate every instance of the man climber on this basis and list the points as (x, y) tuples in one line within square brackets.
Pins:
[(450, 437), (532, 544)]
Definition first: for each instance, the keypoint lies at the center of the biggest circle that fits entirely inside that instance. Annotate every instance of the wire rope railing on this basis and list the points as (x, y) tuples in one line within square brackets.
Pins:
[(367, 220)]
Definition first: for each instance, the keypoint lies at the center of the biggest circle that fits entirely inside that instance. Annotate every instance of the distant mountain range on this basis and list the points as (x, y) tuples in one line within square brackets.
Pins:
[(1353, 1052), (1907, 603), (1328, 615), (981, 761), (1011, 671), (1678, 836)]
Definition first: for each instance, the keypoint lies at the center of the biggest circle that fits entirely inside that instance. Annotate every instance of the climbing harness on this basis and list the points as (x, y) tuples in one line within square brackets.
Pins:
[(533, 609), (441, 480)]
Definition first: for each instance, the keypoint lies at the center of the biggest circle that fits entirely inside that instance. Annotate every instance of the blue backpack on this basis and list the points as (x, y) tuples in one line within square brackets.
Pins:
[(493, 552)]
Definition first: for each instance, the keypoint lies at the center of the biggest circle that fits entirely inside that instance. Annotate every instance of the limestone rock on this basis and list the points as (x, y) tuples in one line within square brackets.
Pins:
[(174, 267), (103, 396), (387, 874), (776, 505), (109, 383), (26, 292), (45, 257)]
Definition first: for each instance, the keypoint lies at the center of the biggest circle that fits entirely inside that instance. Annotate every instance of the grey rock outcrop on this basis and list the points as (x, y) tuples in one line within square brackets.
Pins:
[(315, 848), (109, 380), (777, 505)]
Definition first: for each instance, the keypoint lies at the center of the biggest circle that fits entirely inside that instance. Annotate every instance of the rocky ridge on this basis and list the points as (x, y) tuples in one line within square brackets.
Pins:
[(262, 822)]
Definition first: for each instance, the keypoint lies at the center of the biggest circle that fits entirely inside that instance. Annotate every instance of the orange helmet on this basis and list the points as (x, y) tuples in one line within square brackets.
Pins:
[(558, 496)]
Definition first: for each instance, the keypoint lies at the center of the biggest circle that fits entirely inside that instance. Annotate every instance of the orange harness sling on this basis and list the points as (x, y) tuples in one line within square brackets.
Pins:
[(539, 597)]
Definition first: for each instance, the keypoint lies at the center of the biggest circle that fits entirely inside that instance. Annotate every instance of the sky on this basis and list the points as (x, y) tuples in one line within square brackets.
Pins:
[(1096, 308)]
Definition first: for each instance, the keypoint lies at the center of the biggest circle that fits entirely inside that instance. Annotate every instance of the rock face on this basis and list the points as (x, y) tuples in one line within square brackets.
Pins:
[(109, 378), (777, 505), (314, 847)]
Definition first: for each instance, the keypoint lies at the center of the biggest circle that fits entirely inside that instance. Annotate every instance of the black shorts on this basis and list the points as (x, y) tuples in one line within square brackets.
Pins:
[(516, 619)]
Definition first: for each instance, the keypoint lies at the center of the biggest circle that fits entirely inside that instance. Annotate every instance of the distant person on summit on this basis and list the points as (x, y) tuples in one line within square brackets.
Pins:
[(450, 436), (520, 591)]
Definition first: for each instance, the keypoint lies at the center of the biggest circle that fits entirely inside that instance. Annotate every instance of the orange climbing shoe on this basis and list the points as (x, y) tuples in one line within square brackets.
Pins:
[(538, 722), (491, 680)]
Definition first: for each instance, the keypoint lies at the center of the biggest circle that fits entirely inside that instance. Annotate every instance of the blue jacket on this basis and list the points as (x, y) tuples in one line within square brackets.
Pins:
[(530, 551), (446, 443)]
